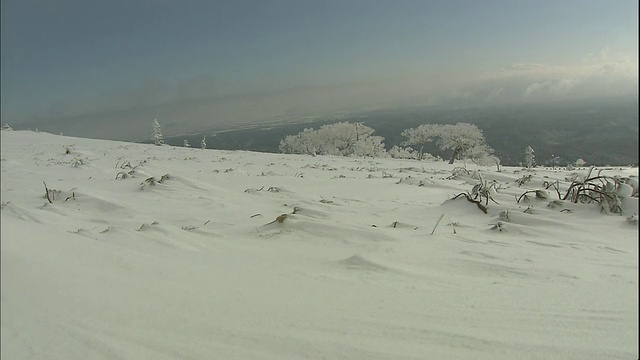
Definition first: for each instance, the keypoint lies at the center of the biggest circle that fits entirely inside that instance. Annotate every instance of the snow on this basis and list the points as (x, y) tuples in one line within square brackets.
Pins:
[(197, 267)]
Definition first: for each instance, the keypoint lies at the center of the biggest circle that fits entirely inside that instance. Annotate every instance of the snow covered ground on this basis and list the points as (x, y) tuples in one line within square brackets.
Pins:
[(198, 266)]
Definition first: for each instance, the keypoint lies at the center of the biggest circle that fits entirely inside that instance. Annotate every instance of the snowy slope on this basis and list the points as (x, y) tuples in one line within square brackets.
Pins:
[(198, 267)]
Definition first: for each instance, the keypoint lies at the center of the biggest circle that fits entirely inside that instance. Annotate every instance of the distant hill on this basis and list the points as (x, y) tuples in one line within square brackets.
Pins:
[(599, 132)]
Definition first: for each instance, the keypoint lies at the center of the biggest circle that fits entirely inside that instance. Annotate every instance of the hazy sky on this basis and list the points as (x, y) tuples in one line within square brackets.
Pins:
[(201, 64)]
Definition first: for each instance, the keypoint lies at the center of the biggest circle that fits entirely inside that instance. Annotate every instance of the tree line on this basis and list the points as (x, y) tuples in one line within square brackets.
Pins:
[(463, 140)]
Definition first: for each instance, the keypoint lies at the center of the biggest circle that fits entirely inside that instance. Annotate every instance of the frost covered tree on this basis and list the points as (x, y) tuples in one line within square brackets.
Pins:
[(157, 133), (580, 163), (420, 136), (203, 143), (529, 157), (186, 143), (371, 146), (464, 139), (482, 154), (305, 142), (340, 139)]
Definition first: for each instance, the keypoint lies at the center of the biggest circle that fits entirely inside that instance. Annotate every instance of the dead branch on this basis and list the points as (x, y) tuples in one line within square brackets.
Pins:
[(468, 197), (46, 190)]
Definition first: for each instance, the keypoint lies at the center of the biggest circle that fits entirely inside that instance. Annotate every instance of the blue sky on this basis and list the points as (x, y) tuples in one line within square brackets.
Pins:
[(201, 63)]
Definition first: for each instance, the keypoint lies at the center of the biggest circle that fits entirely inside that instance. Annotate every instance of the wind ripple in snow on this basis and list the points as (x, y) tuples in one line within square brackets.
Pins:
[(357, 262)]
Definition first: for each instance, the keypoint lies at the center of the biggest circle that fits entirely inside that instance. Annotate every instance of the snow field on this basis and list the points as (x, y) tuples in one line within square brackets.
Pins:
[(197, 266)]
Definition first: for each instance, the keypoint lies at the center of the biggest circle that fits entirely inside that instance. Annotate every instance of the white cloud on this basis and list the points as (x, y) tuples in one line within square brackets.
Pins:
[(524, 67), (563, 86), (602, 73)]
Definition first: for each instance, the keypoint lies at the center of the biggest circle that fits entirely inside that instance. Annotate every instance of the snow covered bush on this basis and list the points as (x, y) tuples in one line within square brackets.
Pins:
[(523, 180), (157, 133), (6, 127), (397, 152), (152, 181), (482, 190), (580, 163), (420, 136), (186, 143), (607, 191), (203, 143)]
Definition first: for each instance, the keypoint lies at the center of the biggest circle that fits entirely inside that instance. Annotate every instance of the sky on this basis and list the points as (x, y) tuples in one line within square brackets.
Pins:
[(100, 66)]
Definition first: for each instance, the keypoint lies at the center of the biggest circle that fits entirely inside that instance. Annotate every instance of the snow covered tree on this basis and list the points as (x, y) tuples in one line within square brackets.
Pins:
[(371, 146), (496, 160), (305, 142), (6, 127), (529, 157), (203, 143), (186, 143), (420, 136), (462, 138), (288, 145), (340, 139), (482, 154), (580, 163), (157, 133)]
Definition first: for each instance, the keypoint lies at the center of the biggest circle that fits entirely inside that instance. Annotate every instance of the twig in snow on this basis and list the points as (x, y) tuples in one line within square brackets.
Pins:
[(437, 223)]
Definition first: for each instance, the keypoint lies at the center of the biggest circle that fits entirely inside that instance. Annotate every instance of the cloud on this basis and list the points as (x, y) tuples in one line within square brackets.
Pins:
[(598, 74), (525, 67), (563, 86), (603, 62), (530, 69), (494, 94), (204, 103), (608, 62), (598, 57), (551, 88), (535, 89)]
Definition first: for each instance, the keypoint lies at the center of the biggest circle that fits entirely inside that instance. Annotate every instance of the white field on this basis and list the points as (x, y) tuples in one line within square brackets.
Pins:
[(193, 268)]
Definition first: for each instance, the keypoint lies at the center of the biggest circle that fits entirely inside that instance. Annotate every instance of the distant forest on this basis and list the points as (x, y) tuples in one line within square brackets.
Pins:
[(599, 132)]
